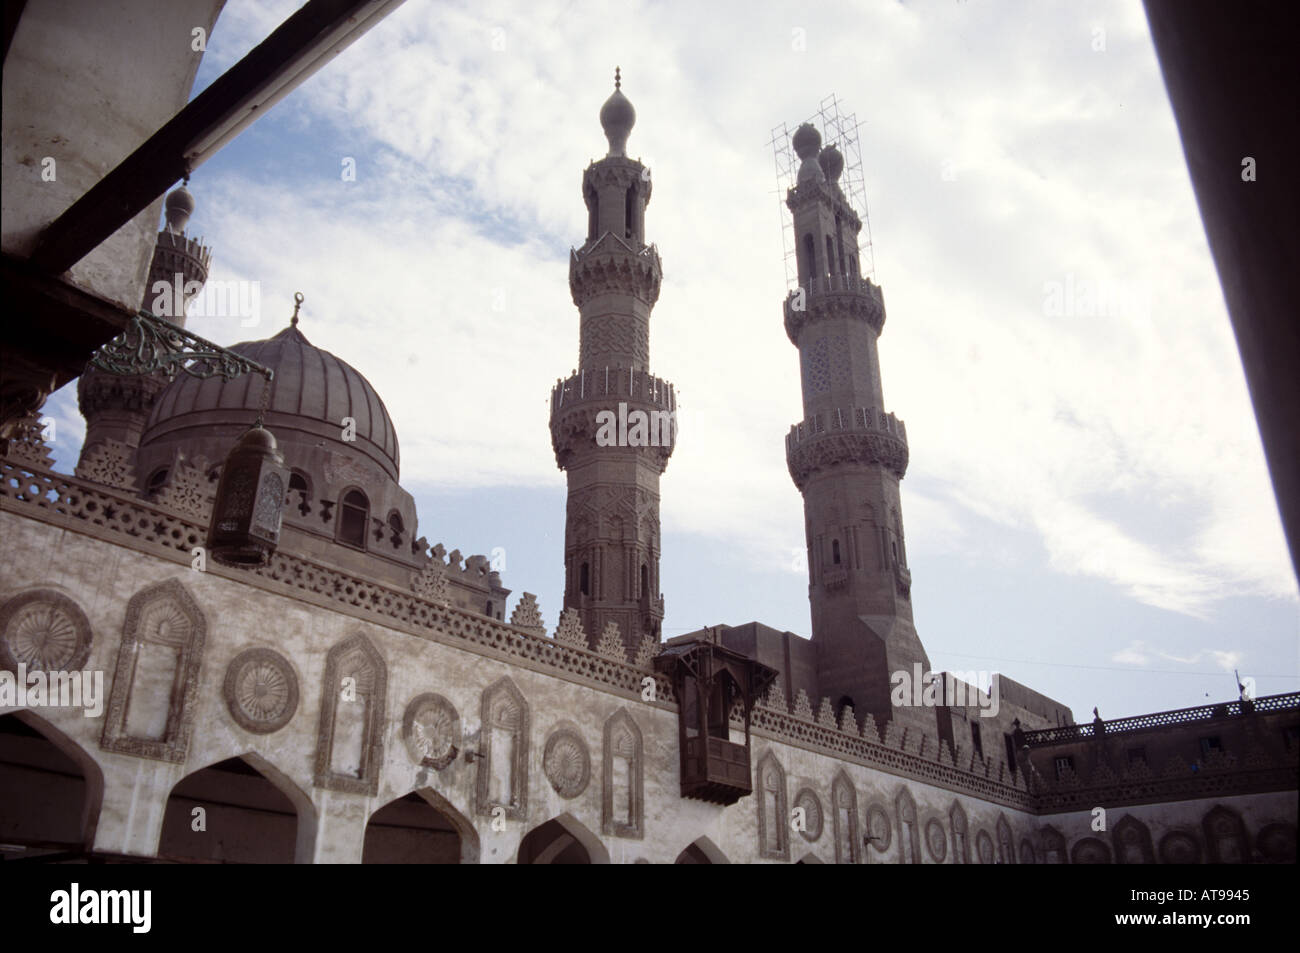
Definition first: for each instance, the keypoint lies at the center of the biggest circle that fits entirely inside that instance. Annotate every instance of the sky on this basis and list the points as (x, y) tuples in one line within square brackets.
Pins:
[(1086, 509)]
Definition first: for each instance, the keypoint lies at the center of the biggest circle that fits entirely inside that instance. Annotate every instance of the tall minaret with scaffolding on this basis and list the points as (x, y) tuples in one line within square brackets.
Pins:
[(612, 423), (848, 455)]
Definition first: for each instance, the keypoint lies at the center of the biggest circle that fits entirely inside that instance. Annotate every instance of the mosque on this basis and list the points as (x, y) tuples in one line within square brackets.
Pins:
[(350, 694)]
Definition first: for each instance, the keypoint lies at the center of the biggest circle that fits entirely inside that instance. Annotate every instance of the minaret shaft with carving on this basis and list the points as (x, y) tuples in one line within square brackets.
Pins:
[(613, 423), (848, 455)]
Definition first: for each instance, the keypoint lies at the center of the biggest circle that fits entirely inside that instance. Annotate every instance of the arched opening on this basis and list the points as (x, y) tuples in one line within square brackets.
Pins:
[(629, 213), (839, 240), (298, 485), (238, 811), (420, 828), (396, 528), (807, 262), (354, 513), (584, 580), (645, 581), (846, 701), (487, 609), (593, 215), (156, 481), (50, 791), (830, 256), (835, 551), (562, 840), (701, 851)]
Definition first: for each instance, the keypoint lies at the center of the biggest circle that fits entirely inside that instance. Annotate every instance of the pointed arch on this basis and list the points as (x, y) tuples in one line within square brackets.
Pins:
[(1053, 845), (155, 685), (909, 837), (844, 802), (503, 746), (1027, 855), (622, 794), (350, 736), (1225, 836), (701, 851), (1090, 850), (773, 815), (1006, 843), (1131, 840), (562, 840), (76, 826), (960, 834), (431, 814), (251, 812)]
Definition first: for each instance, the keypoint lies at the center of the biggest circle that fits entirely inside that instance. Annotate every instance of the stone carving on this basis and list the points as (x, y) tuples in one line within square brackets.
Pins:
[(835, 448), (353, 694), (431, 582), (773, 815), (188, 490), (567, 762), (261, 690), (646, 652), (775, 697), (1131, 840), (151, 708), (844, 802), (812, 814), (936, 841), (623, 794), (341, 470), (945, 753), (879, 829), (848, 723), (431, 731), (869, 732), (1277, 843), (109, 463), (803, 707), (909, 835), (1027, 851), (611, 643), (503, 750), (984, 847), (569, 631), (826, 714), (1179, 847), (528, 616), (28, 444), (1090, 850), (45, 631), (1006, 849)]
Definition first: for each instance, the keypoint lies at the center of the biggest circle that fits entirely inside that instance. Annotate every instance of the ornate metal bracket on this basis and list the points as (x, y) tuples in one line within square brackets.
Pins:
[(153, 344)]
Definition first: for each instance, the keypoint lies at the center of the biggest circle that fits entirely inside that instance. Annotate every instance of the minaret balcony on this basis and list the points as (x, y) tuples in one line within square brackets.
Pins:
[(846, 436), (833, 296), (576, 404), (611, 265)]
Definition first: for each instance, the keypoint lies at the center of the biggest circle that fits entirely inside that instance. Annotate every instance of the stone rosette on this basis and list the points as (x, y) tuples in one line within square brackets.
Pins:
[(261, 690), (431, 731), (567, 762)]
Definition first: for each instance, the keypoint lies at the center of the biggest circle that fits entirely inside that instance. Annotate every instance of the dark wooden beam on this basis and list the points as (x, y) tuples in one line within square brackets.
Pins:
[(149, 171)]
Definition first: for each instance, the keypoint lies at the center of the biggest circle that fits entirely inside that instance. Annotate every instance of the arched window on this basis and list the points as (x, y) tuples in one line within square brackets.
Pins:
[(645, 582), (298, 484), (807, 263), (835, 551), (396, 529), (593, 215), (488, 609), (830, 256), (839, 241), (156, 482), (584, 580), (354, 513), (629, 213)]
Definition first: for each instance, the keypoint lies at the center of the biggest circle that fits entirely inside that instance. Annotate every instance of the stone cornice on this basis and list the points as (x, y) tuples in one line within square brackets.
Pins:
[(824, 299), (817, 453)]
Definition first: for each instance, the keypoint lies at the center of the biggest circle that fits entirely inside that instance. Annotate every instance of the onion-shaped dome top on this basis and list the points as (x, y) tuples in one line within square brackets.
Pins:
[(311, 394), (832, 162), (617, 117), (806, 141), (178, 207)]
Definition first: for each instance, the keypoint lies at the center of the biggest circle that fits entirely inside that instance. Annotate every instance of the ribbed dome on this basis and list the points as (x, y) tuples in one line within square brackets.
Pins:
[(312, 392)]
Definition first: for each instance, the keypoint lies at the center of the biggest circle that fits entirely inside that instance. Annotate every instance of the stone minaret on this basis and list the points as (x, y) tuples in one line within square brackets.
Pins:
[(612, 423), (116, 407), (847, 456)]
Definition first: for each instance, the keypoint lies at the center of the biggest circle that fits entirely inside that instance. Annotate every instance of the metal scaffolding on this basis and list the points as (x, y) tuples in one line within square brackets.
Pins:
[(840, 128)]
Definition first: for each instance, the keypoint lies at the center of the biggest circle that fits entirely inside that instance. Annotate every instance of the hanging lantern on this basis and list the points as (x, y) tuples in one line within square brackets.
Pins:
[(246, 516)]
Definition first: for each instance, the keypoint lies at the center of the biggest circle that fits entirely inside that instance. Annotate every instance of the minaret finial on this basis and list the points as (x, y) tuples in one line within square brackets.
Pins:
[(297, 303), (618, 78)]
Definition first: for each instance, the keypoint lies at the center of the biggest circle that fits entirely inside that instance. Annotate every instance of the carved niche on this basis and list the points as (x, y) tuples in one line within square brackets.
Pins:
[(623, 794), (1006, 845), (350, 737), (960, 837), (45, 631), (1225, 837), (773, 823), (1179, 847), (1053, 842), (503, 750), (984, 847), (1027, 855), (844, 798), (261, 690), (151, 707), (431, 731), (1090, 850), (1132, 842), (813, 820), (909, 836), (566, 761), (936, 840)]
